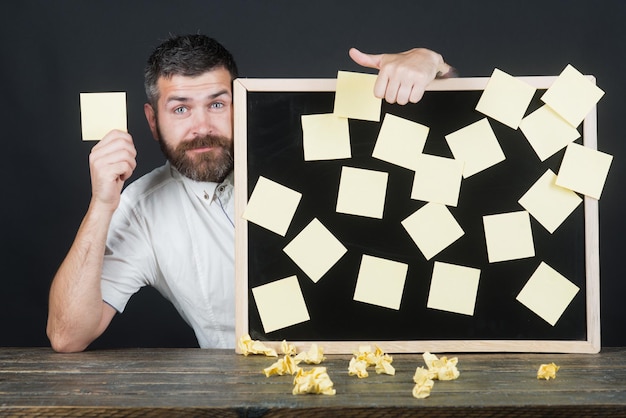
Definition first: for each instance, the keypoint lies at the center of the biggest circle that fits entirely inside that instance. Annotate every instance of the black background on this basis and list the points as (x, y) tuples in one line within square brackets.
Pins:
[(52, 51)]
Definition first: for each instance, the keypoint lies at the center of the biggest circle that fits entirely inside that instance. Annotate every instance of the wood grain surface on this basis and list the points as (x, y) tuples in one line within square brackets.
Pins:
[(219, 383)]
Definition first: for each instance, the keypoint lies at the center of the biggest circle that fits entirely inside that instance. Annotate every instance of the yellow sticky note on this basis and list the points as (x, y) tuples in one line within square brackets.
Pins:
[(508, 236), (400, 141), (315, 250), (282, 366), (358, 368), (437, 179), (572, 95), (280, 304), (315, 355), (380, 282), (453, 288), (584, 170), (547, 132), (432, 228), (547, 371), (443, 368), (288, 349), (547, 293), (355, 98), (477, 146), (548, 203), (315, 381), (423, 383), (249, 346), (102, 112), (272, 206), (365, 358), (505, 98), (325, 137), (362, 192)]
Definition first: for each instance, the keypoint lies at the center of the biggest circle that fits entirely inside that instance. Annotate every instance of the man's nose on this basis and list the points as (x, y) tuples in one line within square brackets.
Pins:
[(202, 123)]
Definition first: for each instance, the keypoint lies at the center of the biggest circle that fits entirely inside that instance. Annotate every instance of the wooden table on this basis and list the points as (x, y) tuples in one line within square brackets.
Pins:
[(218, 383)]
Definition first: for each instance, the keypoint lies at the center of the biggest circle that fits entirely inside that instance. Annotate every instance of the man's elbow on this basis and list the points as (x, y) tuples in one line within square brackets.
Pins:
[(64, 342)]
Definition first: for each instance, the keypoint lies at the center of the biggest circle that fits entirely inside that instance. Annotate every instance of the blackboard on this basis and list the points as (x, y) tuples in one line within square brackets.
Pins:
[(268, 143)]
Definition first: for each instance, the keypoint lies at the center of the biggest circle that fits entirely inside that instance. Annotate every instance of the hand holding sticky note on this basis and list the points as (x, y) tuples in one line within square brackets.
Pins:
[(102, 112), (355, 98)]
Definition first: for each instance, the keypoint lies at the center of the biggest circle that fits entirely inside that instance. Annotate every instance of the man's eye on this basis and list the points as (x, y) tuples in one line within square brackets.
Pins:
[(180, 110), (217, 105)]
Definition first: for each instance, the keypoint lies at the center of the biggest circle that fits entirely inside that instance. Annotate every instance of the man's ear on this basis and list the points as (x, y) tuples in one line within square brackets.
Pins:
[(151, 118)]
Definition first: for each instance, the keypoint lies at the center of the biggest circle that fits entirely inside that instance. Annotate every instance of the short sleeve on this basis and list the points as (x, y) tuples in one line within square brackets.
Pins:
[(129, 262)]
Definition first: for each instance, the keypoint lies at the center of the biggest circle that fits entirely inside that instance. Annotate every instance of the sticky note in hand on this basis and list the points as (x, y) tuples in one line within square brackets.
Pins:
[(101, 113)]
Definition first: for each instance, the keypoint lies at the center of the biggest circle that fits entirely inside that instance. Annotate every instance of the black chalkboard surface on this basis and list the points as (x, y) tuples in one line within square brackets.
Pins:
[(269, 143)]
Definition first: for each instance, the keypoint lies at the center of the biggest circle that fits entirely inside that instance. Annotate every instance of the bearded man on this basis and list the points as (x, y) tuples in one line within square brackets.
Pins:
[(173, 228)]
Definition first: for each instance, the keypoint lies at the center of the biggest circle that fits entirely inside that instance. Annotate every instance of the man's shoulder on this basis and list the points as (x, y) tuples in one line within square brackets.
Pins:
[(149, 185)]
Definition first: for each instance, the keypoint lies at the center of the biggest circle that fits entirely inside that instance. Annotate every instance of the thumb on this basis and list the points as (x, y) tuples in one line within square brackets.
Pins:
[(365, 60)]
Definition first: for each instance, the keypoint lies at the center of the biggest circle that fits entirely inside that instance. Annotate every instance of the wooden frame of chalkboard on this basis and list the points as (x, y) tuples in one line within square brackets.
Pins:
[(268, 142)]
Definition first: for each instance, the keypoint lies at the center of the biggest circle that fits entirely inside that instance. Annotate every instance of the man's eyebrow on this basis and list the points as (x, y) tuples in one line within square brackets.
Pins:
[(184, 99), (177, 99), (219, 93)]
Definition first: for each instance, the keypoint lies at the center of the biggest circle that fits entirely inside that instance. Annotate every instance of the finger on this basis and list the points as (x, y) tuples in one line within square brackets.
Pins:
[(104, 159), (113, 145), (107, 185), (404, 94), (380, 86), (417, 93), (365, 60), (446, 71), (112, 142), (114, 165), (115, 133), (391, 94), (125, 169)]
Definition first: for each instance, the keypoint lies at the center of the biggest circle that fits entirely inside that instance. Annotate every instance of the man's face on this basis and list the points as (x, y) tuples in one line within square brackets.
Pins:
[(194, 124)]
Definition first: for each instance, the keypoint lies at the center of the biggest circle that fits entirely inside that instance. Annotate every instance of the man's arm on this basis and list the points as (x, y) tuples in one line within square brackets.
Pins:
[(403, 77), (77, 314)]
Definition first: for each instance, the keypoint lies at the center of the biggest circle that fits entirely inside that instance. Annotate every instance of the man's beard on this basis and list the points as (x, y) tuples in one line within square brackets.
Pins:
[(211, 166)]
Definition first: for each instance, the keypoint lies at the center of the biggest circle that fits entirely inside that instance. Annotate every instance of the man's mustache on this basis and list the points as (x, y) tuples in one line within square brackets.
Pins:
[(205, 141)]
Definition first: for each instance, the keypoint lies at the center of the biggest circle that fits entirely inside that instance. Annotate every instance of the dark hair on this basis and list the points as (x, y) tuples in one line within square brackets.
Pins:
[(187, 55)]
